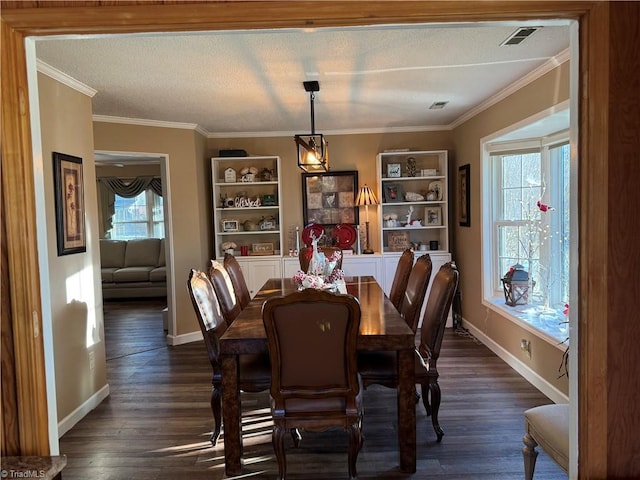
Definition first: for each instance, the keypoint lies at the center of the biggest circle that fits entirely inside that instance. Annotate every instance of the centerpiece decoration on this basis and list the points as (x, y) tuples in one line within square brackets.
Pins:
[(323, 272)]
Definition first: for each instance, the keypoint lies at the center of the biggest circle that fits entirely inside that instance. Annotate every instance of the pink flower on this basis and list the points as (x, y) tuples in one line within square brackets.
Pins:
[(566, 309)]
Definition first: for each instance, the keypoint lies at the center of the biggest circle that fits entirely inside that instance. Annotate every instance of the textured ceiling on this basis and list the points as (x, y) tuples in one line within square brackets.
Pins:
[(245, 82)]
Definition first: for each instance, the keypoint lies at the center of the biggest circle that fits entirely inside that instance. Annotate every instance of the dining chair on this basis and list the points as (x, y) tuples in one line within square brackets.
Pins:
[(311, 390), (238, 281), (225, 291), (401, 278), (416, 290), (382, 367), (304, 256), (254, 370)]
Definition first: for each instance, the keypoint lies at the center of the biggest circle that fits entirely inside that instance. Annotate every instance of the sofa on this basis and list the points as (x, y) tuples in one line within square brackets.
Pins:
[(133, 268)]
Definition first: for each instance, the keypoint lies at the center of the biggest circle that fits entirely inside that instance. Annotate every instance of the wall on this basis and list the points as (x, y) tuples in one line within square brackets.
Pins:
[(549, 90), (128, 171), (74, 301), (187, 186)]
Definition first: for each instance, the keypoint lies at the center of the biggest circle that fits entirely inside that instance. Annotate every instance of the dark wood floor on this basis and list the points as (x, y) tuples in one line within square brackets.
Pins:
[(156, 422)]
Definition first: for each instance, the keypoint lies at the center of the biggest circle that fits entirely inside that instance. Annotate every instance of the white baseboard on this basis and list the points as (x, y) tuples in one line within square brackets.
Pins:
[(174, 340), (79, 413), (514, 362)]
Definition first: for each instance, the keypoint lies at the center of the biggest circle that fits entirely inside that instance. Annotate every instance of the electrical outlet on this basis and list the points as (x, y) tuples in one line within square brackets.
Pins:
[(526, 346), (92, 361)]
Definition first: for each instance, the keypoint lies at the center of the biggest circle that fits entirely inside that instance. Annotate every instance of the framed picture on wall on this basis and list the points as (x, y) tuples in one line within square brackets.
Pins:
[(464, 197), (68, 186), (330, 198)]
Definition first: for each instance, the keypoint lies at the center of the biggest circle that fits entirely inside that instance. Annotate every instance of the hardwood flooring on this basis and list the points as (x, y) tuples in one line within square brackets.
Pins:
[(156, 422)]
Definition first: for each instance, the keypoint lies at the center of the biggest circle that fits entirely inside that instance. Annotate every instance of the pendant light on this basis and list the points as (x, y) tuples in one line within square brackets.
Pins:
[(313, 155)]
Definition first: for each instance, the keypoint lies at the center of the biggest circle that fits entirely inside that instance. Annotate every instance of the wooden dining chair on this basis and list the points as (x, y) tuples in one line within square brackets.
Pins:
[(304, 256), (382, 367), (254, 370), (415, 291), (225, 291), (311, 390), (238, 281), (401, 278)]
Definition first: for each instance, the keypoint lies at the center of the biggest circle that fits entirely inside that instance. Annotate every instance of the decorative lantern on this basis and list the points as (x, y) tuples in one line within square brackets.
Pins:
[(516, 286)]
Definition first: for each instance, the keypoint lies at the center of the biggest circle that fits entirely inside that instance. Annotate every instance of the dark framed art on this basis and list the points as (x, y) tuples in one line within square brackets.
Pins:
[(330, 198), (393, 192), (68, 187), (464, 196)]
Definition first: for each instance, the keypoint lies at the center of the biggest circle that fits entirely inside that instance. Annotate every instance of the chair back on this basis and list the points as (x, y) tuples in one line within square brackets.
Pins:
[(401, 278), (304, 256), (416, 291), (443, 289), (301, 328), (210, 318), (225, 291), (232, 267)]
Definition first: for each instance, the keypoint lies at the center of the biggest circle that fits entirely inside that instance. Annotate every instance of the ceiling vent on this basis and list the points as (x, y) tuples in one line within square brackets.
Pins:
[(520, 35), (437, 105)]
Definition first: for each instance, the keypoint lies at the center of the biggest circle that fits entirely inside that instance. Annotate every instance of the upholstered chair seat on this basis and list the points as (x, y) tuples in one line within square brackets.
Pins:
[(547, 426)]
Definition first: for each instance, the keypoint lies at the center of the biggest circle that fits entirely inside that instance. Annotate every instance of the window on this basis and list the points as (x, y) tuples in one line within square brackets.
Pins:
[(527, 223), (138, 217)]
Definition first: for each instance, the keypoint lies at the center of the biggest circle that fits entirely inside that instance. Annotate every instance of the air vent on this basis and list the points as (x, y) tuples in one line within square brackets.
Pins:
[(520, 35), (437, 105)]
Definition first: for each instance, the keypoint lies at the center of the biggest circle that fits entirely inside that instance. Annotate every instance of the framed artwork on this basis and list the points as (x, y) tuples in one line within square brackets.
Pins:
[(464, 196), (230, 226), (433, 216), (330, 198), (393, 192), (68, 187)]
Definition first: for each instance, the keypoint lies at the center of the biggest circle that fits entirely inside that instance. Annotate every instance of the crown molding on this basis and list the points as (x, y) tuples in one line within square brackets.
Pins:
[(65, 79), (543, 69), (150, 123)]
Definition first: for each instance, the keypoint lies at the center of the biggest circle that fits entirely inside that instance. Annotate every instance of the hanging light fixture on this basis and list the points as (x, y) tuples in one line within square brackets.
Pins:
[(313, 155)]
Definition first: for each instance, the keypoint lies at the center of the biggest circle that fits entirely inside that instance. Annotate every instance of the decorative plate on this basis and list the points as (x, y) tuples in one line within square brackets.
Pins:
[(345, 235), (315, 230)]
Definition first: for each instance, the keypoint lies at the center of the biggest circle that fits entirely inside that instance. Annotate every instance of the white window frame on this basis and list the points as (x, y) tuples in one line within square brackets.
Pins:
[(551, 326)]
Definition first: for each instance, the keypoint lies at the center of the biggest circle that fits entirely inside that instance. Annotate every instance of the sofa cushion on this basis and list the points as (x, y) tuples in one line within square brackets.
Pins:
[(132, 274), (112, 253), (142, 252), (161, 259), (107, 274), (158, 274)]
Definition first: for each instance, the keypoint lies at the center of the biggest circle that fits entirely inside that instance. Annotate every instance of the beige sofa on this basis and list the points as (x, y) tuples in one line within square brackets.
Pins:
[(133, 268)]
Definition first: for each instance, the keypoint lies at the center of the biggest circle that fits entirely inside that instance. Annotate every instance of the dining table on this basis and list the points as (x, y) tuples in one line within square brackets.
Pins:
[(381, 328)]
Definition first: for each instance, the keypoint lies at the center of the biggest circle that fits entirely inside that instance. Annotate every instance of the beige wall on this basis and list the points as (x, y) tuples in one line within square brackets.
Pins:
[(545, 92), (186, 181), (74, 280)]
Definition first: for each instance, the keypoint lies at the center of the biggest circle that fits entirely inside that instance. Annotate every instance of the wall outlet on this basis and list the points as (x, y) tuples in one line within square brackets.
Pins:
[(92, 361), (526, 346)]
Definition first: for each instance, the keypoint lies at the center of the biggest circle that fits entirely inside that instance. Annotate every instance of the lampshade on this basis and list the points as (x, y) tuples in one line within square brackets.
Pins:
[(366, 197), (313, 154)]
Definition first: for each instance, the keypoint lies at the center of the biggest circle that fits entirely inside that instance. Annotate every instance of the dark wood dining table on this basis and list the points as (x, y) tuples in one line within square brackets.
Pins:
[(381, 328)]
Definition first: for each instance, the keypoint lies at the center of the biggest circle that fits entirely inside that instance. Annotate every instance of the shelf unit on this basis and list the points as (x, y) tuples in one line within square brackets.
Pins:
[(240, 222), (430, 182)]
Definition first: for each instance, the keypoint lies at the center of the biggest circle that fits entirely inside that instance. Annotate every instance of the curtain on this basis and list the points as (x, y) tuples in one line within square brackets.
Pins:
[(109, 187)]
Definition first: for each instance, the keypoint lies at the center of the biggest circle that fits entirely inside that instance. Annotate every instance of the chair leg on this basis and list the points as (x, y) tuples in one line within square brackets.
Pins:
[(355, 445), (216, 409), (434, 394), (277, 439), (529, 454), (425, 398)]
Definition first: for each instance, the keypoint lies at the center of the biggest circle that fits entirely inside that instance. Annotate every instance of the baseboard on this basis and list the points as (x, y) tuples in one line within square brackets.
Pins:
[(174, 340), (68, 422), (514, 362)]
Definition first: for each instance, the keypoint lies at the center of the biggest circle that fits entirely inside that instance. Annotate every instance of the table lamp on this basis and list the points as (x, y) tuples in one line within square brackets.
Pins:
[(366, 197)]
